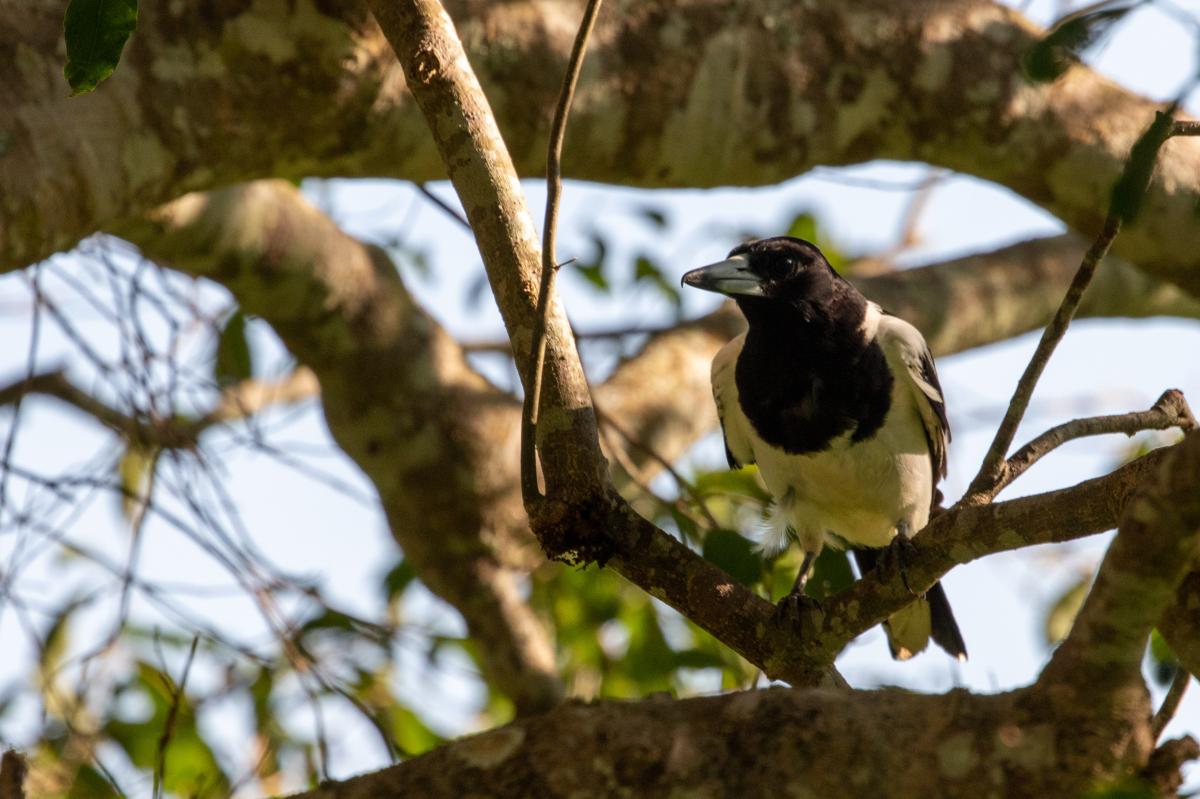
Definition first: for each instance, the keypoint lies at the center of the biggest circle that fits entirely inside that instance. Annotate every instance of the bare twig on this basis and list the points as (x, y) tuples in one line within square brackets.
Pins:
[(989, 470), (1186, 127), (239, 401), (684, 484), (533, 397), (1170, 704), (1126, 196), (177, 698), (1169, 410), (449, 210)]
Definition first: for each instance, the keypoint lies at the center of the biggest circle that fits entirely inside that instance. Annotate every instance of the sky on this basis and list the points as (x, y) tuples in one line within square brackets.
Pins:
[(319, 518)]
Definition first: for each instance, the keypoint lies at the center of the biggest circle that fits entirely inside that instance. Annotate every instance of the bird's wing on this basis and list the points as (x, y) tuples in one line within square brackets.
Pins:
[(734, 424), (903, 343)]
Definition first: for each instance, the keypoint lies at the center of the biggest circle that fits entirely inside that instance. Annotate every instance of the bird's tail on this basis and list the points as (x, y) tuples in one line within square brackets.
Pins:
[(910, 628)]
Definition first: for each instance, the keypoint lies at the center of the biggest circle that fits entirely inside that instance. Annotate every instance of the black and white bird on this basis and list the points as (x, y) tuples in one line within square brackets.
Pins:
[(839, 405)]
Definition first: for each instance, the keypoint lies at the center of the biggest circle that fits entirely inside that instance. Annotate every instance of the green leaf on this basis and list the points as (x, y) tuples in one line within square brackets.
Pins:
[(191, 767), (133, 471), (743, 482), (233, 364), (1163, 660), (735, 554), (1061, 47), (96, 32), (645, 270), (398, 578), (831, 573), (654, 216), (1062, 613), (804, 226)]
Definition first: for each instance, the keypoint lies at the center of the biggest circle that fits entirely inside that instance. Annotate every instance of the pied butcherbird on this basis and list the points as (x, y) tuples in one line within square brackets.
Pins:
[(839, 405)]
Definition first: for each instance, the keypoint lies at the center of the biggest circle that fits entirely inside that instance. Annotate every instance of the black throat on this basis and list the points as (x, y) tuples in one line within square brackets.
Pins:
[(805, 375)]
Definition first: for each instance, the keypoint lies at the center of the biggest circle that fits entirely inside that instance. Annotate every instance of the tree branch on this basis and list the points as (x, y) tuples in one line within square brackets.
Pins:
[(435, 438), (1156, 545), (335, 106), (1170, 410), (773, 742)]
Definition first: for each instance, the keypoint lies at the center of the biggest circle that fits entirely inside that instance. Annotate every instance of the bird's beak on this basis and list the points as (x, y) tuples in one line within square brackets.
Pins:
[(731, 276)]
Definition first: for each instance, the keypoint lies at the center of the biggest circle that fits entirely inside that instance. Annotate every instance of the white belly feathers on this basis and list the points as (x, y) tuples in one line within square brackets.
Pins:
[(860, 492)]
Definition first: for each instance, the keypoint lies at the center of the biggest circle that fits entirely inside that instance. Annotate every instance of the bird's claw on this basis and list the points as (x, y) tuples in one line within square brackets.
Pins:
[(896, 555), (793, 609)]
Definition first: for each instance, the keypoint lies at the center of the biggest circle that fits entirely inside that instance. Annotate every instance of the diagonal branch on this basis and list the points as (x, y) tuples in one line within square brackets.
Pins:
[(1157, 543), (1169, 410), (1126, 198)]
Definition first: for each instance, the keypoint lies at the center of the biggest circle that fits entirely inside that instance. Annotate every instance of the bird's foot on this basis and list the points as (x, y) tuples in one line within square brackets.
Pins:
[(896, 556), (793, 609)]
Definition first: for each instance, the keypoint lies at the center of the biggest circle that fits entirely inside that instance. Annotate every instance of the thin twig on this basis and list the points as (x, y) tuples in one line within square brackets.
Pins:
[(684, 484), (989, 470), (1170, 704), (1129, 189), (533, 397), (1187, 127), (1170, 410), (450, 210), (177, 698)]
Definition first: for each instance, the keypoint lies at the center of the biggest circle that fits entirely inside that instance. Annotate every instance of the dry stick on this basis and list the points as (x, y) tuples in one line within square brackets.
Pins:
[(1169, 410), (160, 768), (1170, 703), (532, 405), (990, 469), (1127, 194)]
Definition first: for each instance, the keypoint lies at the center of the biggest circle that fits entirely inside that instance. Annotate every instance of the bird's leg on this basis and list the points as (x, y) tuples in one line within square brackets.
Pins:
[(806, 567), (896, 554), (791, 610)]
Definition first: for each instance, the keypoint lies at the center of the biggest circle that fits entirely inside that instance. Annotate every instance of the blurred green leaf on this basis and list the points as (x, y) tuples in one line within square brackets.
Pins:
[(134, 471), (1070, 36), (1164, 662), (645, 270), (233, 364), (831, 573), (1062, 613), (743, 482), (192, 768), (804, 226), (735, 554), (687, 526), (649, 659), (655, 216), (411, 734), (95, 32), (595, 270), (398, 579)]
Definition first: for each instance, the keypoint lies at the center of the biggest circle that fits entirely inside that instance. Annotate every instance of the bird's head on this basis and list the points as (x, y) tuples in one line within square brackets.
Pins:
[(780, 269)]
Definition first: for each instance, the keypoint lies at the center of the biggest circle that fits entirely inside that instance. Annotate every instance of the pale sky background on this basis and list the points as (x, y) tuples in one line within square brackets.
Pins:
[(330, 528)]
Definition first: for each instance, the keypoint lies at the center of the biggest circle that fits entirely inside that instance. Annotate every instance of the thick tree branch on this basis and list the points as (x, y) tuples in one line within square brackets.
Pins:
[(774, 742), (1156, 545), (824, 83)]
